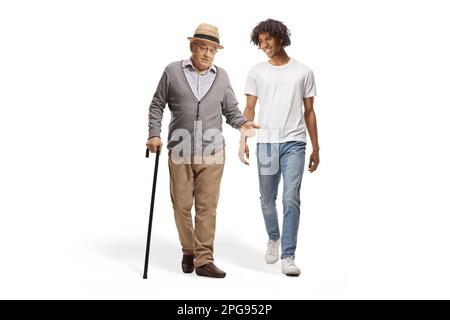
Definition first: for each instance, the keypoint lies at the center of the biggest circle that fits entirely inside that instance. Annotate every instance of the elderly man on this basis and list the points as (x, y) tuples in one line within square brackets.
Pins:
[(198, 94)]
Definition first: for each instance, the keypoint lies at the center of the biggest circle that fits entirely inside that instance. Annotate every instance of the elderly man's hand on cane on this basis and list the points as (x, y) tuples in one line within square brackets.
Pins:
[(154, 143)]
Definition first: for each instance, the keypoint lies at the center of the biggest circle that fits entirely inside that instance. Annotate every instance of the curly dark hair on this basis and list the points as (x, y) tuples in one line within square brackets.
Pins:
[(275, 28)]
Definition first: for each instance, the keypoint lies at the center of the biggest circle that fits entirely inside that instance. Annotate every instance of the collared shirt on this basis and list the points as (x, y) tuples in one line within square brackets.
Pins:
[(199, 83)]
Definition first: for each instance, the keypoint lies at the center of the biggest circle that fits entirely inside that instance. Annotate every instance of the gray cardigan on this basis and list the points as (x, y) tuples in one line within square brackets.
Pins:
[(195, 125)]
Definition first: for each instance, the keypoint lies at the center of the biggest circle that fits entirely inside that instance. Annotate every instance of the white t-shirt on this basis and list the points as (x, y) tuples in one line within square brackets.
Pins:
[(280, 91)]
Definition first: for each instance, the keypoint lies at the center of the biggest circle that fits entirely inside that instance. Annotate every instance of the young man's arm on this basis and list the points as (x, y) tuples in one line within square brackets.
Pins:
[(311, 124), (233, 115), (249, 112)]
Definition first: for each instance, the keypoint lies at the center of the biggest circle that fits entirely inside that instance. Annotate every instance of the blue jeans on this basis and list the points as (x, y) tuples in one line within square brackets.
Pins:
[(274, 160)]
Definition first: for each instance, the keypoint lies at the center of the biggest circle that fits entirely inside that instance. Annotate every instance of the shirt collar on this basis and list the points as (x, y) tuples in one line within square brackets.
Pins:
[(188, 64)]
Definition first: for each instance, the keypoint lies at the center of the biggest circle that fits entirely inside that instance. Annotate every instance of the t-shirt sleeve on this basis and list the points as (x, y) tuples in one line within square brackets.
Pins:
[(310, 85), (251, 87)]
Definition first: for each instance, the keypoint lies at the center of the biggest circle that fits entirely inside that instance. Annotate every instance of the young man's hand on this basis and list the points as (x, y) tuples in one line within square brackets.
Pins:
[(154, 143), (314, 160), (248, 129)]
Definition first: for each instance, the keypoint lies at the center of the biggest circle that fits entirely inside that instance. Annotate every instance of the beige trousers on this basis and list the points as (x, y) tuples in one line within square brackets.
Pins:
[(197, 180)]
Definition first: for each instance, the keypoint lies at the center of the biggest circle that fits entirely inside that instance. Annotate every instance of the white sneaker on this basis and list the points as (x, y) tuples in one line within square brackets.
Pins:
[(289, 268), (272, 252)]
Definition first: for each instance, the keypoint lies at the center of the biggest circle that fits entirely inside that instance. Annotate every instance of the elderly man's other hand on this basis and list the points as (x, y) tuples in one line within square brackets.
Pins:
[(244, 152), (247, 130)]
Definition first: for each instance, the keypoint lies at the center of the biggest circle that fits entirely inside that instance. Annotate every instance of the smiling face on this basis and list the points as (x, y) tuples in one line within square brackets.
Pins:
[(203, 54), (270, 45)]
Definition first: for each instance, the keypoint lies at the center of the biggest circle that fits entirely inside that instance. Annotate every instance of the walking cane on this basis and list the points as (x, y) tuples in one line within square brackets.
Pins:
[(155, 175)]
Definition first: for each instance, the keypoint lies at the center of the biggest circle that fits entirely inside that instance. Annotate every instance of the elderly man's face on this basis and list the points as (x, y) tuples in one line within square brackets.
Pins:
[(202, 54)]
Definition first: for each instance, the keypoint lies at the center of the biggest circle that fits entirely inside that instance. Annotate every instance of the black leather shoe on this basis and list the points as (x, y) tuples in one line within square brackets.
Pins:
[(210, 270), (187, 264)]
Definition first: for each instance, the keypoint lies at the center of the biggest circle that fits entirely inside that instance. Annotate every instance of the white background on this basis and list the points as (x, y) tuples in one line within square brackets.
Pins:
[(76, 79)]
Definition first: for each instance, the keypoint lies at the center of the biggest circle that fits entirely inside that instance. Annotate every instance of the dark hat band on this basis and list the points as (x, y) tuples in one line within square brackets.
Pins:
[(207, 37)]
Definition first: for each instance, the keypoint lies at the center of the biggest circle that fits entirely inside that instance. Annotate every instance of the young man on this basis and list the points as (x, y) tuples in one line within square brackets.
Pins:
[(282, 85), (198, 94)]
